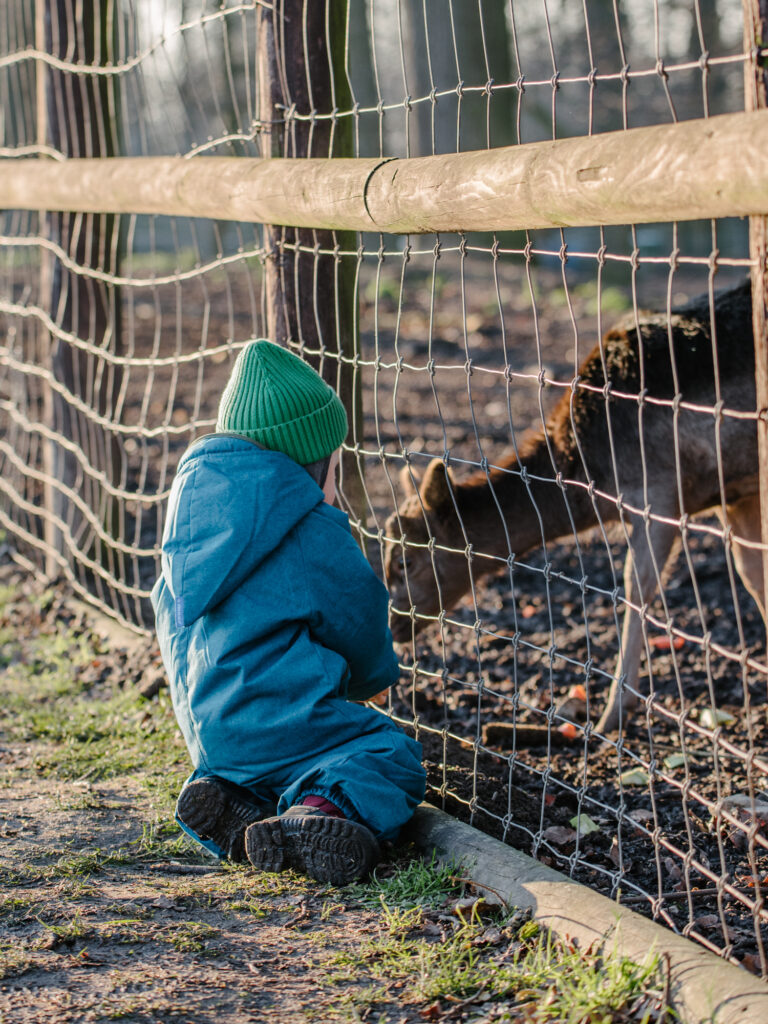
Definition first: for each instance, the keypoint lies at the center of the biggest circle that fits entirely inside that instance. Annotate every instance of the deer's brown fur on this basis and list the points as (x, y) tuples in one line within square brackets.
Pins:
[(608, 452)]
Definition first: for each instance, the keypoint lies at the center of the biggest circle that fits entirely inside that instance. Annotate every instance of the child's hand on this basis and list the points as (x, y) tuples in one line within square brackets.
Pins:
[(379, 698)]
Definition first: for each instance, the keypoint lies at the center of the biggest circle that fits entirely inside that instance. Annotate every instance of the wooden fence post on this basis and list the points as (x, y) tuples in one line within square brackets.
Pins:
[(756, 98), (310, 298)]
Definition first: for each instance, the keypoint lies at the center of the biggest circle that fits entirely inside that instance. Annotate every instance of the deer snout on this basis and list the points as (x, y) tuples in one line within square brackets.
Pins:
[(413, 591), (412, 607)]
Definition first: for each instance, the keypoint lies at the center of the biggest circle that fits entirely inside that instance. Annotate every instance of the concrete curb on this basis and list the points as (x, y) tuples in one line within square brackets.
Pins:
[(703, 987)]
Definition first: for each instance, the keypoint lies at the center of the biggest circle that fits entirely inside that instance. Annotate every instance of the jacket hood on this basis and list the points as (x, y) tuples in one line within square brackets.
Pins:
[(231, 505)]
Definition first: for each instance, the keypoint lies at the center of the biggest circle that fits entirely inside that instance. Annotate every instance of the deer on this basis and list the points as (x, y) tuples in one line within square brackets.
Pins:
[(645, 436)]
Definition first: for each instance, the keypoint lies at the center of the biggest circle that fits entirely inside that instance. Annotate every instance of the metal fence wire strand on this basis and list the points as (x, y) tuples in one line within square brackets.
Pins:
[(552, 455)]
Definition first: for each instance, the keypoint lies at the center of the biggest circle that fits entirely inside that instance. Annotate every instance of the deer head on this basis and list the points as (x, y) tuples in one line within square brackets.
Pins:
[(421, 575)]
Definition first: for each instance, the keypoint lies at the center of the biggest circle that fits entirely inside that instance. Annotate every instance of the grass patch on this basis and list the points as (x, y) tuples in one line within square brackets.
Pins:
[(21, 876), (127, 931), (65, 934), (255, 907), (414, 883), (14, 910), (548, 980), (188, 936), (15, 959), (84, 863), (52, 695), (505, 959)]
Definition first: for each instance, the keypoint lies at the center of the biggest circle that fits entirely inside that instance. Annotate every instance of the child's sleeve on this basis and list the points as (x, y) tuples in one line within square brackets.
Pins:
[(349, 604)]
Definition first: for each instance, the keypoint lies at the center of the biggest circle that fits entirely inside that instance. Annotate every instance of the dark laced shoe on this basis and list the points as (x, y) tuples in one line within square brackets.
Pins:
[(326, 848), (218, 810)]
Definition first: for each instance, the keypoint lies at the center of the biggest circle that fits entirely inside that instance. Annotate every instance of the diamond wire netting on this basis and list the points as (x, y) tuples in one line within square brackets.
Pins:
[(119, 333)]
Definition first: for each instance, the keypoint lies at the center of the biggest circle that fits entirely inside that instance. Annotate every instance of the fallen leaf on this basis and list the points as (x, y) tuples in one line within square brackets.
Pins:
[(752, 964), (616, 857), (673, 869), (559, 835), (577, 692), (674, 761), (473, 906), (743, 802), (528, 611), (490, 937), (431, 1012), (707, 922), (569, 730), (710, 718), (584, 824), (641, 814), (634, 777)]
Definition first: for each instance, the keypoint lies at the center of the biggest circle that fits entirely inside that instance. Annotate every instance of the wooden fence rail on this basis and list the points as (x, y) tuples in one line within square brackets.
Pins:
[(712, 167)]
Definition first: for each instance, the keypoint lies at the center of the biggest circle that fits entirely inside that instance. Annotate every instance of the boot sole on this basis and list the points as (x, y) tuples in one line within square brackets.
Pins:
[(333, 850), (213, 811)]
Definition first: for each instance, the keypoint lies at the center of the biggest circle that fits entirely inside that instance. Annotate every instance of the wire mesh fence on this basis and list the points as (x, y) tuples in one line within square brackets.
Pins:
[(553, 453)]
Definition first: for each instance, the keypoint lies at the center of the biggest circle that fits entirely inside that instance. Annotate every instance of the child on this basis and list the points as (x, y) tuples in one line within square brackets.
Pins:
[(272, 625)]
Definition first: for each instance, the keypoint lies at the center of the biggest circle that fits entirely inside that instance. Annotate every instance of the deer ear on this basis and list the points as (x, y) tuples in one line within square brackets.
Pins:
[(436, 486), (406, 476)]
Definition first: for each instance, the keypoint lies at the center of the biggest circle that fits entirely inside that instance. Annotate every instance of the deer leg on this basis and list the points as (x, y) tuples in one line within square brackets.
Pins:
[(648, 552), (744, 517)]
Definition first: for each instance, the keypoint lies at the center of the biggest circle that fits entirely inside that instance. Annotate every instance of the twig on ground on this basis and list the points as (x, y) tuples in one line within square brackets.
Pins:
[(477, 885), (174, 867), (458, 1007)]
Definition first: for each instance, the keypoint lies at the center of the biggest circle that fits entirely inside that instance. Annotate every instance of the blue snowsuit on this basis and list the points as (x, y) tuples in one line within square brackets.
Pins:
[(271, 624)]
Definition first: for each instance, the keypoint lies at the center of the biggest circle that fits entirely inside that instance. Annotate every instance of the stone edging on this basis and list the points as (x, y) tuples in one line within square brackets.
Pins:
[(703, 989)]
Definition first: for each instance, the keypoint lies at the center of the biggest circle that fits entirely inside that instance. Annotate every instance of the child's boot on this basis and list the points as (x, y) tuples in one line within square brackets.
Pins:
[(217, 812), (327, 848)]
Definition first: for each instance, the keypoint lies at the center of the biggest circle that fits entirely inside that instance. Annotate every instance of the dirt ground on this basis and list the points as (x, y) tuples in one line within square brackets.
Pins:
[(105, 933), (656, 844), (109, 913)]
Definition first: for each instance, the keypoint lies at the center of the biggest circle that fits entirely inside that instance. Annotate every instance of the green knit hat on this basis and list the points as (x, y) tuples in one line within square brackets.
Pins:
[(276, 399)]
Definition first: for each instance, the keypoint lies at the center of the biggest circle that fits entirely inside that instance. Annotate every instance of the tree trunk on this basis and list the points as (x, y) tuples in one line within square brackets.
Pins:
[(756, 98), (310, 293)]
